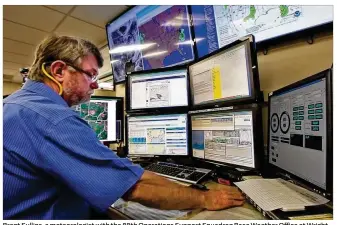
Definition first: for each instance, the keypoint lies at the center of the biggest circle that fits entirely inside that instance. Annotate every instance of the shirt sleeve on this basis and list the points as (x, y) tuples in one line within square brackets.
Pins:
[(74, 156)]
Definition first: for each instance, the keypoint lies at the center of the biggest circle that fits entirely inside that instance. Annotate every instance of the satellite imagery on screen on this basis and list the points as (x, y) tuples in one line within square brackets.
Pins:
[(126, 61), (168, 30), (159, 35)]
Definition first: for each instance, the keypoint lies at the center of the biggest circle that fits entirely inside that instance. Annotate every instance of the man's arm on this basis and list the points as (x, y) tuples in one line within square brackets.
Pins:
[(155, 191), (154, 179)]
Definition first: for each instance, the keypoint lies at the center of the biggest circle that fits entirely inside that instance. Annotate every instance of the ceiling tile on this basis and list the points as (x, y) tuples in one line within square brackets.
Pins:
[(18, 47), (61, 8), (98, 14), (14, 66), (33, 16), (75, 27), (16, 58), (22, 33)]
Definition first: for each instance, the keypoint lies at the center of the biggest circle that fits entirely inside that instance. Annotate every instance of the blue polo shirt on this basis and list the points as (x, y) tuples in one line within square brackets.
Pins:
[(54, 165)]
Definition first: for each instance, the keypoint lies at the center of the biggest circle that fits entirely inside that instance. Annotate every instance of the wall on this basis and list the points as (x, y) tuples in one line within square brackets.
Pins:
[(98, 92), (289, 63), (9, 87), (286, 64)]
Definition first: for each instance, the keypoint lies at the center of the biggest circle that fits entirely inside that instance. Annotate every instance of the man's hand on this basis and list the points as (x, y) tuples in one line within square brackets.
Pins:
[(158, 192), (221, 199)]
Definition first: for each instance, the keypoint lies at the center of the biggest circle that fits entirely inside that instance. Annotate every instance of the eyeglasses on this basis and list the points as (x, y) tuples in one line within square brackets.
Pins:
[(90, 75)]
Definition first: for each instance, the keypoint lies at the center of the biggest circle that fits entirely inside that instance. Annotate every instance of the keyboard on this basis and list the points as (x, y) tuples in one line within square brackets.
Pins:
[(178, 172)]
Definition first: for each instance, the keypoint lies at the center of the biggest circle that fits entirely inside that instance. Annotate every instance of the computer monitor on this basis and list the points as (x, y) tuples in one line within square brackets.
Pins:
[(217, 25), (300, 131), (230, 136), (105, 116), (163, 135), (226, 77), (147, 37), (162, 88)]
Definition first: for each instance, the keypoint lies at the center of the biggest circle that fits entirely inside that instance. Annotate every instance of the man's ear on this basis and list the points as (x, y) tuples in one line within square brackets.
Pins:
[(57, 70)]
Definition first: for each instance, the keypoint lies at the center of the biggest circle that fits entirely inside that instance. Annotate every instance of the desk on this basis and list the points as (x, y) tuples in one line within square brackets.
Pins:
[(246, 212)]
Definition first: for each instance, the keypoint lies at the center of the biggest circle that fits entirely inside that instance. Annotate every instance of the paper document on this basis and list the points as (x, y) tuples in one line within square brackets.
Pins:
[(236, 213), (271, 194), (139, 212)]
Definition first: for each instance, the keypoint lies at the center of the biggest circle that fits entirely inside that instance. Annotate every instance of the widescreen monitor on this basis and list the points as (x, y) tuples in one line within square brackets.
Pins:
[(218, 25), (164, 88), (149, 37), (228, 136), (164, 135), (300, 130), (105, 116), (226, 77)]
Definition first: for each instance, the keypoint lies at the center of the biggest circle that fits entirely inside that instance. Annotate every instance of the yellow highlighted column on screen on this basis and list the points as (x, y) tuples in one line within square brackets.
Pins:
[(216, 78)]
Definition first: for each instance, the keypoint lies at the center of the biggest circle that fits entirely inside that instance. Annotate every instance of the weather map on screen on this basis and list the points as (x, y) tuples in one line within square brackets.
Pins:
[(101, 116), (149, 37), (218, 25)]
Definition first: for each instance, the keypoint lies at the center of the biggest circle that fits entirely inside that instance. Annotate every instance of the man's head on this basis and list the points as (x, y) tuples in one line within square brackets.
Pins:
[(73, 62)]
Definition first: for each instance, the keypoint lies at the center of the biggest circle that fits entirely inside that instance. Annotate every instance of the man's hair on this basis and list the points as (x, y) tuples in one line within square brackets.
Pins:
[(69, 49)]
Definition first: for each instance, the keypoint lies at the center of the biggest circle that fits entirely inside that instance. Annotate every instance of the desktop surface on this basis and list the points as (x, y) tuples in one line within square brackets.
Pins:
[(246, 212)]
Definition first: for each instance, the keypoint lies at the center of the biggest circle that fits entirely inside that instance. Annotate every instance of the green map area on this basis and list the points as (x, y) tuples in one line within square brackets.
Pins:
[(252, 12), (95, 113), (284, 10)]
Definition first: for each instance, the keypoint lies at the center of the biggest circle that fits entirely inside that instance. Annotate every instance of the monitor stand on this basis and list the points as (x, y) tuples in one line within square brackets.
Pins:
[(142, 161), (234, 174)]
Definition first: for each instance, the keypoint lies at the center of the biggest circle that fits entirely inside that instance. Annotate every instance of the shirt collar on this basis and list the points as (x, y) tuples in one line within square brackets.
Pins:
[(44, 90)]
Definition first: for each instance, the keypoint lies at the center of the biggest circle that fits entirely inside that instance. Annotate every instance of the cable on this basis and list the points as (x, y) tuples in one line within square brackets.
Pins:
[(52, 78)]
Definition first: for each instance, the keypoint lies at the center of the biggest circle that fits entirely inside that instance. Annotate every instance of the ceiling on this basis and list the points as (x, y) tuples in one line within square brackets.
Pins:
[(25, 26)]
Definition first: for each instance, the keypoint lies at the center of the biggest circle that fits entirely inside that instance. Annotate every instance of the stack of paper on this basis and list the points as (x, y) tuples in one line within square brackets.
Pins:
[(140, 212), (271, 194)]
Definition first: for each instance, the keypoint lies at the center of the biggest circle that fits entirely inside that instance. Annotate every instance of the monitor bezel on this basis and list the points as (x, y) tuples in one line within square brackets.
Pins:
[(119, 114), (327, 74), (253, 76), (256, 110), (188, 12), (128, 91), (188, 134)]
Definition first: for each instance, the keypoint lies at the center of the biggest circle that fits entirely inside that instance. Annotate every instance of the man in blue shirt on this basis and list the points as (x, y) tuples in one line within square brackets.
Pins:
[(55, 167)]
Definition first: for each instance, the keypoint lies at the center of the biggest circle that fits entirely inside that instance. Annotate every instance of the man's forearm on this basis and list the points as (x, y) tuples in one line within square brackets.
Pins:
[(167, 198), (154, 179), (158, 192)]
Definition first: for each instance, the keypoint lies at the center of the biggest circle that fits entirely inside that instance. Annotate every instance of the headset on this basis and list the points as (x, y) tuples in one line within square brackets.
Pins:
[(93, 85), (52, 78)]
